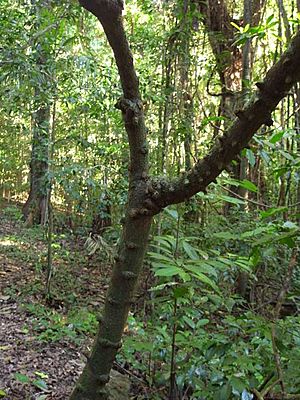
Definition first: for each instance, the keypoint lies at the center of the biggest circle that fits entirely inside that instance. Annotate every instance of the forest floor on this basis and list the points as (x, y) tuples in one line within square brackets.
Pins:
[(42, 347)]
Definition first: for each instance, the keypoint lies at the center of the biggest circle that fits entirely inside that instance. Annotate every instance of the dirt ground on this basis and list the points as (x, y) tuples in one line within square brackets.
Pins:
[(31, 368)]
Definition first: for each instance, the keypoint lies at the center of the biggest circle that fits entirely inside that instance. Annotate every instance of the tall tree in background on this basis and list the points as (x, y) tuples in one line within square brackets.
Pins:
[(147, 196), (36, 206), (233, 66)]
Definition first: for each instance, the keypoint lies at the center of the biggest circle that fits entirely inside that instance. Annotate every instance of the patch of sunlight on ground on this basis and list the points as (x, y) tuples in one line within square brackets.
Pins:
[(7, 242)]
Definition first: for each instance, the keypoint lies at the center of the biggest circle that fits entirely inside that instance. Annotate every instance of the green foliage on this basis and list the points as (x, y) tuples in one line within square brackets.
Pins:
[(223, 350), (12, 212), (178, 258), (38, 382), (249, 32), (52, 326)]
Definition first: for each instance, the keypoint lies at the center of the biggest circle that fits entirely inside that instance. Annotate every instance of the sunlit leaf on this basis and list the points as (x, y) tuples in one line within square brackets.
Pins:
[(248, 185), (276, 137), (41, 375)]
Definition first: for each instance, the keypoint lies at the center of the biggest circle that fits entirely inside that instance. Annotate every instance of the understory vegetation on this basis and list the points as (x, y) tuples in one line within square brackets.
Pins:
[(186, 311)]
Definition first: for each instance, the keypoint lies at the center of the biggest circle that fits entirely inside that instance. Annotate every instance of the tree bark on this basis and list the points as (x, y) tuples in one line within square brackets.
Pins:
[(35, 208), (148, 196), (91, 384)]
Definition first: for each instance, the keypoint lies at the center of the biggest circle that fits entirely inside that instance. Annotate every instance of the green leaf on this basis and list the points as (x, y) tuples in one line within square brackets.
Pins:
[(250, 157), (202, 322), (255, 256), (40, 383), (190, 251), (265, 156), (189, 322), (239, 28), (206, 280), (225, 235), (237, 383), (22, 378), (290, 242), (172, 213), (180, 292), (286, 155), (160, 257), (200, 267), (168, 271), (217, 264), (272, 211), (2, 393), (269, 19), (143, 346), (162, 248), (243, 264), (167, 242), (290, 225), (254, 232), (232, 200), (157, 265), (264, 239), (224, 393), (248, 185), (276, 137)]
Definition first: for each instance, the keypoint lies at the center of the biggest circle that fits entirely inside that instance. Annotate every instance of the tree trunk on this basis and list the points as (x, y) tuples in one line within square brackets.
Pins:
[(35, 208), (91, 385)]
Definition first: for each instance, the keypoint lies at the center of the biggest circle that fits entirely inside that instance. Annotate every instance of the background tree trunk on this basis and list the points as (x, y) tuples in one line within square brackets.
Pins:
[(35, 208)]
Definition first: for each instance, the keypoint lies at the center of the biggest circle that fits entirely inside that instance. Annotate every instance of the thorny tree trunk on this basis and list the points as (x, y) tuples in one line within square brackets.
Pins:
[(35, 208), (148, 196), (135, 235)]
